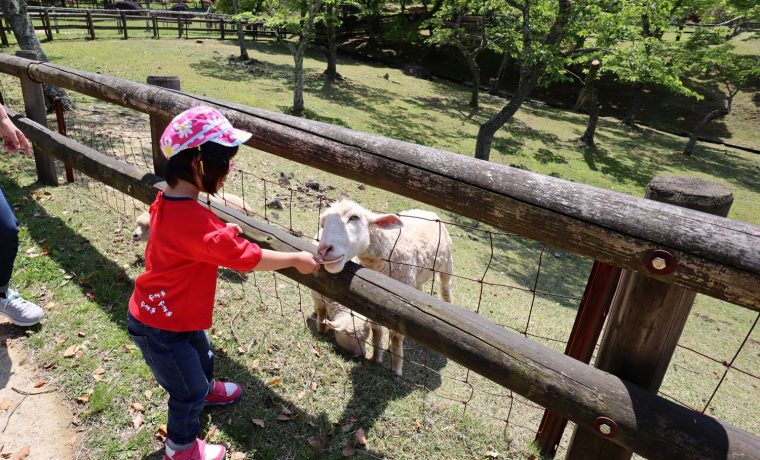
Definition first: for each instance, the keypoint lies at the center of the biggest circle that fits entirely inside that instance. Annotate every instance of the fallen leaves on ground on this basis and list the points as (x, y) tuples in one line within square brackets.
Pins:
[(137, 420), (238, 456), (492, 453), (5, 404), (258, 422), (316, 444), (161, 433), (40, 383), (360, 437), (211, 432), (348, 450), (276, 380), (71, 351)]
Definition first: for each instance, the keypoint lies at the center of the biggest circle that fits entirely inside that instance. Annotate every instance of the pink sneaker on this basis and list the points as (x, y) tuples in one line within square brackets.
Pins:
[(224, 393), (199, 451)]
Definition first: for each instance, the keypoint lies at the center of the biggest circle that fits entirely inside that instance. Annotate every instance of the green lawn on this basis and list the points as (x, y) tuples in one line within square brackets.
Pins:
[(85, 278)]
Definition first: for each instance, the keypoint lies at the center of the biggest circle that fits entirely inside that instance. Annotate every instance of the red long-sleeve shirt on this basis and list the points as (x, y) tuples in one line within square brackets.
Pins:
[(187, 245)]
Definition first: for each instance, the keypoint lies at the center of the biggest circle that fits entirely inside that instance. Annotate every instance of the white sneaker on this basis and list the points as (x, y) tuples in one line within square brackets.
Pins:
[(21, 312)]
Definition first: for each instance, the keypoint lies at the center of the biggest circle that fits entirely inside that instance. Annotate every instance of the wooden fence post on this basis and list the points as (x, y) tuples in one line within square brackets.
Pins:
[(647, 316), (156, 33), (3, 37), (221, 26), (46, 25), (179, 26), (90, 25), (124, 26), (589, 320), (61, 120), (158, 124), (34, 106)]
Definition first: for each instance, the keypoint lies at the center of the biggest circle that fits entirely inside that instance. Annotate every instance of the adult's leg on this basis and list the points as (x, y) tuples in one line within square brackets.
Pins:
[(8, 242)]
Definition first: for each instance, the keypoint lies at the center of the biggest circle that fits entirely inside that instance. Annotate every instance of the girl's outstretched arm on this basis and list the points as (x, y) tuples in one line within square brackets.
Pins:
[(303, 261)]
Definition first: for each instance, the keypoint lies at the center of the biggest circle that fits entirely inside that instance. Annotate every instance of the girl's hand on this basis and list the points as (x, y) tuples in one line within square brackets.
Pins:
[(236, 227), (306, 263)]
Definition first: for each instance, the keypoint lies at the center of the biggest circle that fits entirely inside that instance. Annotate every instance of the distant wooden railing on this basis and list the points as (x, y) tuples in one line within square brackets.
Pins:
[(51, 21)]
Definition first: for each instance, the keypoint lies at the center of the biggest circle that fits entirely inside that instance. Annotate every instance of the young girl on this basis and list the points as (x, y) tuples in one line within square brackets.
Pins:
[(172, 302)]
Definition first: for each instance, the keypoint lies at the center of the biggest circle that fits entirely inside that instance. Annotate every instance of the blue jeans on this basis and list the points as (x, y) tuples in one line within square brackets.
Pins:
[(8, 240), (183, 364)]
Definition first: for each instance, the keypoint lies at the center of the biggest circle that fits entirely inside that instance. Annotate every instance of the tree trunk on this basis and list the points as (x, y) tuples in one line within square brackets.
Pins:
[(489, 128), (475, 71), (241, 41), (717, 113), (298, 105), (497, 82), (331, 73), (635, 107), (15, 11), (588, 85), (240, 32), (593, 117), (298, 53)]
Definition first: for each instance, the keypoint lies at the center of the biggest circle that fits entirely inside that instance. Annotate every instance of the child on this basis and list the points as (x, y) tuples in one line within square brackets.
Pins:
[(172, 302)]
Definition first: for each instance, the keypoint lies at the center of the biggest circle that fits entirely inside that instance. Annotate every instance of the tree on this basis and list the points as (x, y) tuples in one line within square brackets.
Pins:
[(330, 19), (589, 98), (296, 16), (240, 32), (473, 26), (718, 64), (542, 30), (15, 11)]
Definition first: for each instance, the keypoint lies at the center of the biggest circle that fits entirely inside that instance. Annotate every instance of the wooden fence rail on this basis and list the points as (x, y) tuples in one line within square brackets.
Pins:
[(52, 21), (713, 255), (644, 423)]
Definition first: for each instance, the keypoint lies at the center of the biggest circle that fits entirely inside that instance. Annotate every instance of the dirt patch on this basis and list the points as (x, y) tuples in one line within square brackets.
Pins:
[(39, 421)]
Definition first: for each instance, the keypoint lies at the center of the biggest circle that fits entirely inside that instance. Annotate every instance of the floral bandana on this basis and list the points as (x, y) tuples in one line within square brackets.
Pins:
[(196, 126)]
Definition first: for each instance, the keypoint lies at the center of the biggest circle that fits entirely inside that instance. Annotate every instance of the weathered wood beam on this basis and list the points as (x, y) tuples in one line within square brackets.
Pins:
[(645, 423), (715, 256)]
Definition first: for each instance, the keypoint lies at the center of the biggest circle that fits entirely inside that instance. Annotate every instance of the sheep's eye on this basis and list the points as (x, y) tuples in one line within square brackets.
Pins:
[(353, 218)]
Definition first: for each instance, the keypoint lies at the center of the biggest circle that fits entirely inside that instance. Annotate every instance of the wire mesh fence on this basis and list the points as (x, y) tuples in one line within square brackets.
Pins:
[(516, 283)]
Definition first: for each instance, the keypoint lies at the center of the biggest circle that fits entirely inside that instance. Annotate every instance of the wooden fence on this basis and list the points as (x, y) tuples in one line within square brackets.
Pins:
[(701, 252), (54, 22)]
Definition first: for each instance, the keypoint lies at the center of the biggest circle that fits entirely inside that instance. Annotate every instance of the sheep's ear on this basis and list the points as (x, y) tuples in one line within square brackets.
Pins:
[(386, 221)]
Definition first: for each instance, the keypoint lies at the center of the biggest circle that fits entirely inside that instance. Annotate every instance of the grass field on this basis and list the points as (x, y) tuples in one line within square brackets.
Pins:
[(85, 277)]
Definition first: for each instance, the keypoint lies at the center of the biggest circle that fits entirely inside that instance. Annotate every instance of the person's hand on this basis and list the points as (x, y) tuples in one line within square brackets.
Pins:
[(13, 139), (236, 227), (306, 263)]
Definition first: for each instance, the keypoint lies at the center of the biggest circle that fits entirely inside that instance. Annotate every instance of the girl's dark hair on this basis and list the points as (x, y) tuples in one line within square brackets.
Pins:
[(216, 164)]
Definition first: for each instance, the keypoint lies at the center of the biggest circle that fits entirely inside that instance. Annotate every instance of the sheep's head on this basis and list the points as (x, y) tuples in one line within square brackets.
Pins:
[(345, 232), (142, 230)]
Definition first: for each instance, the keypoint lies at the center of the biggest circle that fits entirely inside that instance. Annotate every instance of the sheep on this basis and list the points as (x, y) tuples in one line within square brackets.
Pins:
[(352, 330), (350, 232), (142, 230)]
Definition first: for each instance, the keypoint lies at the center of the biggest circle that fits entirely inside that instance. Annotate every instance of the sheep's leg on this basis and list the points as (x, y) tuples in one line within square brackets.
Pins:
[(445, 286), (320, 309), (377, 342), (397, 352)]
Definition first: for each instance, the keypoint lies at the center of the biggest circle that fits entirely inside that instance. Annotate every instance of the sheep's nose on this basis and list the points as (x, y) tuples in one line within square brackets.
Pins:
[(135, 237), (324, 250)]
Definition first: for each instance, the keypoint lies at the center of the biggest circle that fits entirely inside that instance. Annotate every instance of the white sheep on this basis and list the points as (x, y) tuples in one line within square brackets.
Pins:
[(142, 230), (350, 232)]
